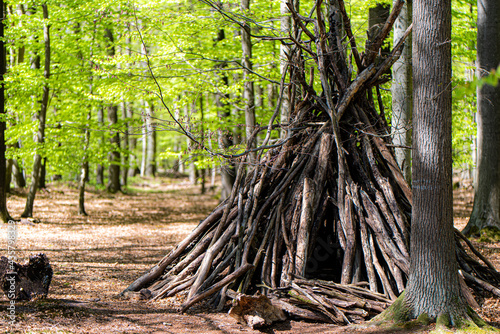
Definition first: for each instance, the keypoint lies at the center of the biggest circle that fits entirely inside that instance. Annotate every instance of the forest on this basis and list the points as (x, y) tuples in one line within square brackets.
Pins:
[(305, 166)]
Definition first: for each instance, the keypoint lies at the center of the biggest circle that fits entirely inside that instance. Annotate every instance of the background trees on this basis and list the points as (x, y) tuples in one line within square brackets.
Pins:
[(193, 53), (4, 214), (486, 212)]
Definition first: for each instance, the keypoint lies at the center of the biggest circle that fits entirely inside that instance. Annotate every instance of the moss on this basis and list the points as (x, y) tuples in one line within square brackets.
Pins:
[(398, 312), (424, 319), (398, 316), (489, 234), (443, 320)]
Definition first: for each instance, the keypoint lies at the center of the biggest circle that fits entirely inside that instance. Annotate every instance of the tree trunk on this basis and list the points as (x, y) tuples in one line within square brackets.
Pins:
[(202, 131), (43, 175), (125, 144), (151, 141), (18, 173), (4, 214), (248, 88), (84, 169), (99, 173), (433, 286), (144, 137), (286, 30), (402, 95), (28, 210), (8, 173), (127, 115), (224, 137), (189, 143), (486, 210), (114, 156), (133, 167)]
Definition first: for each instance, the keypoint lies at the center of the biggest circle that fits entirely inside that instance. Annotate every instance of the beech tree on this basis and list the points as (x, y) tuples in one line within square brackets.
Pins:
[(433, 286), (433, 289), (114, 156), (4, 213), (486, 210), (401, 90), (42, 115), (248, 90)]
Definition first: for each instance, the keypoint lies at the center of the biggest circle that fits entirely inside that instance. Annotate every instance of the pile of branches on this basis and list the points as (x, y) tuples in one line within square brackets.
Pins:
[(322, 221)]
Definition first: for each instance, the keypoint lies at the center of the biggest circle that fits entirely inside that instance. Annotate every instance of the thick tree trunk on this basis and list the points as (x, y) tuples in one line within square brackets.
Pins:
[(28, 210), (486, 211), (402, 94), (433, 286), (4, 213)]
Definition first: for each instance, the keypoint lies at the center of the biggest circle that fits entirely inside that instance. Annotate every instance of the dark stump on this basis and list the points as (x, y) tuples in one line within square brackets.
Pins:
[(28, 281)]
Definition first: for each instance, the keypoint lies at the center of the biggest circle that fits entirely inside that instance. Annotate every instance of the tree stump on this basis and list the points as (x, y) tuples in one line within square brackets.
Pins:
[(28, 281)]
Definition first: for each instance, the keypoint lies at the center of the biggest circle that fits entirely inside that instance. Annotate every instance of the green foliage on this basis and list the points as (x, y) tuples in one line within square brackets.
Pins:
[(464, 96), (184, 52)]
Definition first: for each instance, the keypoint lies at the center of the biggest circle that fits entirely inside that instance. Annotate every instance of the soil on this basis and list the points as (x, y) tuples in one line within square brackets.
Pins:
[(97, 256)]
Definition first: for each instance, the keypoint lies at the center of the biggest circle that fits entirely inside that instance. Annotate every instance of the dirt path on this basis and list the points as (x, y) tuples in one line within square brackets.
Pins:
[(96, 257)]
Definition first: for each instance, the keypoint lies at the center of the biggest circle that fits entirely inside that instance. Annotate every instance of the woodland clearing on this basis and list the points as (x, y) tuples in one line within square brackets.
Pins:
[(94, 258)]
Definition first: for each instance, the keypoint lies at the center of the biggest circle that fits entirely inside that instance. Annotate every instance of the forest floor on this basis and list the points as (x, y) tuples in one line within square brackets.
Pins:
[(94, 258)]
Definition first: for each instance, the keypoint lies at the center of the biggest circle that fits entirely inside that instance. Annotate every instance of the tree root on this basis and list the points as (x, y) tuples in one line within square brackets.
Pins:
[(399, 316)]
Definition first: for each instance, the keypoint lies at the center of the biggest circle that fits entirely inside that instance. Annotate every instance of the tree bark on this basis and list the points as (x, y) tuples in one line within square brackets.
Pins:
[(248, 88), (486, 210), (18, 173), (125, 144), (433, 286), (4, 213), (43, 175), (84, 169), (114, 156), (133, 166), (286, 30), (225, 141), (203, 172), (402, 94), (150, 142), (99, 173), (40, 138), (189, 109)]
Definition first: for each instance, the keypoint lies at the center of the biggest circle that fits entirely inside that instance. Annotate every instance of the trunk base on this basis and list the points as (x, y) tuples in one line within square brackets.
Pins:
[(399, 316)]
